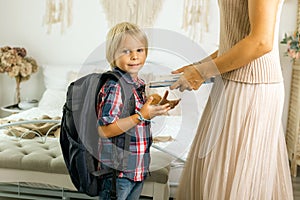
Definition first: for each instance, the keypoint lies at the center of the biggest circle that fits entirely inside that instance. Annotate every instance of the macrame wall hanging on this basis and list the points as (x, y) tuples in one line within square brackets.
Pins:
[(140, 12), (58, 12), (195, 18)]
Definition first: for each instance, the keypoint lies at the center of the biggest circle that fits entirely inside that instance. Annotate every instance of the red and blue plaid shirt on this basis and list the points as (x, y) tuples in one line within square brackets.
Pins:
[(110, 107)]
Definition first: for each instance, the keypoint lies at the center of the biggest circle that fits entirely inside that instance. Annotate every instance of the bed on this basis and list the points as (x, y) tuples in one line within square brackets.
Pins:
[(31, 163)]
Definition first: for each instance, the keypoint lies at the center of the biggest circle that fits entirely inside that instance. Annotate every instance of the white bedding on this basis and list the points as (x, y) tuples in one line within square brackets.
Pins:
[(161, 126), (57, 181), (34, 113), (181, 126)]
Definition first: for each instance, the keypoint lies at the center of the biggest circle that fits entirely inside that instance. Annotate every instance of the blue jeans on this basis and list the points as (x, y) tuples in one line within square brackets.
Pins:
[(126, 189)]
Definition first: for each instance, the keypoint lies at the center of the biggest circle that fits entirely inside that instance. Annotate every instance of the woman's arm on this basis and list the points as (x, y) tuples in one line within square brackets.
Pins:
[(262, 16), (211, 56)]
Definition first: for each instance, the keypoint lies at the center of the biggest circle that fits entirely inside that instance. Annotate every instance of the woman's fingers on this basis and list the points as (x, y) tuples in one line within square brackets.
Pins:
[(175, 85), (185, 87), (180, 70), (190, 80), (181, 84), (195, 84)]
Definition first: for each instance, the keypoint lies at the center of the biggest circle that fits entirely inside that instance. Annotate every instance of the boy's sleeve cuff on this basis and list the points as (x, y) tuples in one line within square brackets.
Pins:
[(103, 121)]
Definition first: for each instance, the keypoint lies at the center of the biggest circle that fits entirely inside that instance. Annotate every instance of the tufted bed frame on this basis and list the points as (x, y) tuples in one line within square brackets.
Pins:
[(35, 169)]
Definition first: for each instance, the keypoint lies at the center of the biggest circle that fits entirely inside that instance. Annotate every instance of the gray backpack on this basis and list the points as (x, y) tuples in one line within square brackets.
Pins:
[(79, 136)]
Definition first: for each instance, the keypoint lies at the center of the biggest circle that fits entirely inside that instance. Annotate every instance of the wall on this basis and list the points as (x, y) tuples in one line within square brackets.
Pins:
[(23, 22), (22, 25), (287, 25)]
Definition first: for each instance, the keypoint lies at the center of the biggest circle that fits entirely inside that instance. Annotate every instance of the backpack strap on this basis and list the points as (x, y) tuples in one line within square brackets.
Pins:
[(113, 192), (127, 98), (128, 109)]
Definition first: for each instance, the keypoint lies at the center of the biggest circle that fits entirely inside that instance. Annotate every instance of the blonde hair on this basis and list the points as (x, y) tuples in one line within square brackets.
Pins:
[(117, 34)]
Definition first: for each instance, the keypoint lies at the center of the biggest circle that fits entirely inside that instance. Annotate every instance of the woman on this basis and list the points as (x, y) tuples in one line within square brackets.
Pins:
[(239, 150)]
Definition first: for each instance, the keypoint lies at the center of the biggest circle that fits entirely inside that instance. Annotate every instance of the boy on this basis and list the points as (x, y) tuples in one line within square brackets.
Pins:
[(126, 51)]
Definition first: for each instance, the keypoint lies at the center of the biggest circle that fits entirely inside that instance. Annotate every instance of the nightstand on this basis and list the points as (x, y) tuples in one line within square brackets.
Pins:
[(23, 105), (12, 108)]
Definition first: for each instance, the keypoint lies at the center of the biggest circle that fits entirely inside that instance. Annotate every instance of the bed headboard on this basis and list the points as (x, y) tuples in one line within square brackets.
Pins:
[(58, 77)]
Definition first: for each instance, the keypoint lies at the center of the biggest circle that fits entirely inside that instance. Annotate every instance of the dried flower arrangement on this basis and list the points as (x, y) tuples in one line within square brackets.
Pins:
[(14, 62), (293, 45)]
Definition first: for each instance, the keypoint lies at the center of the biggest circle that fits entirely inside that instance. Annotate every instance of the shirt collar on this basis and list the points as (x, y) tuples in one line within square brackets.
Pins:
[(139, 82)]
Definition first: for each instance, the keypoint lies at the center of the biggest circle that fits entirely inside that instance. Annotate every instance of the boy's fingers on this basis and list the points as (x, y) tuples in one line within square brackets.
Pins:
[(166, 105), (162, 107), (149, 100)]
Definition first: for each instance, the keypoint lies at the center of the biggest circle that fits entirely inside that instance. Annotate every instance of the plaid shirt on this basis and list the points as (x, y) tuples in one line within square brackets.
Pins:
[(109, 110)]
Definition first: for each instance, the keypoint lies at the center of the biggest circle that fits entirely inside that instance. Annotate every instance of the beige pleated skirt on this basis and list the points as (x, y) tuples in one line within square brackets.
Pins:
[(239, 151)]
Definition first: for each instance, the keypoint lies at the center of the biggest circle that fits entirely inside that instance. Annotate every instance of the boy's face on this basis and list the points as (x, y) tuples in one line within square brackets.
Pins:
[(131, 55)]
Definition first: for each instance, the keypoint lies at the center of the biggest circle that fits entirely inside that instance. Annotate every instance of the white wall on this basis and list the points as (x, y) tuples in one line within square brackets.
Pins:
[(287, 24), (21, 25)]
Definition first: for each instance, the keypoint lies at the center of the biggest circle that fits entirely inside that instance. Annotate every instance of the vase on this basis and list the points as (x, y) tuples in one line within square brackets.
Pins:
[(18, 82)]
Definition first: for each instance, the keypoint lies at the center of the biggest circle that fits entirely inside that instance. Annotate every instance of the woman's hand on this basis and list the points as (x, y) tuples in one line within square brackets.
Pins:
[(149, 111), (190, 79)]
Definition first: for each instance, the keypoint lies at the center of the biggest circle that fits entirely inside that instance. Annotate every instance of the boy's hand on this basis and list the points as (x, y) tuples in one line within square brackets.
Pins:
[(172, 103), (149, 111), (161, 101)]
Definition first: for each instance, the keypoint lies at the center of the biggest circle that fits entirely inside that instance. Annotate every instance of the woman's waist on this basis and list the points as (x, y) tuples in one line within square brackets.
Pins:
[(265, 69), (255, 74)]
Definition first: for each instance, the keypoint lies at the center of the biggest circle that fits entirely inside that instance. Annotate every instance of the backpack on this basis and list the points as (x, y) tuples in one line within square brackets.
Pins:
[(79, 135)]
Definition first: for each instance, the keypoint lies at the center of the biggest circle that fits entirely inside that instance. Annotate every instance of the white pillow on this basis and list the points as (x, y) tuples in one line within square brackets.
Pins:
[(53, 99), (57, 79), (74, 75), (56, 76)]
